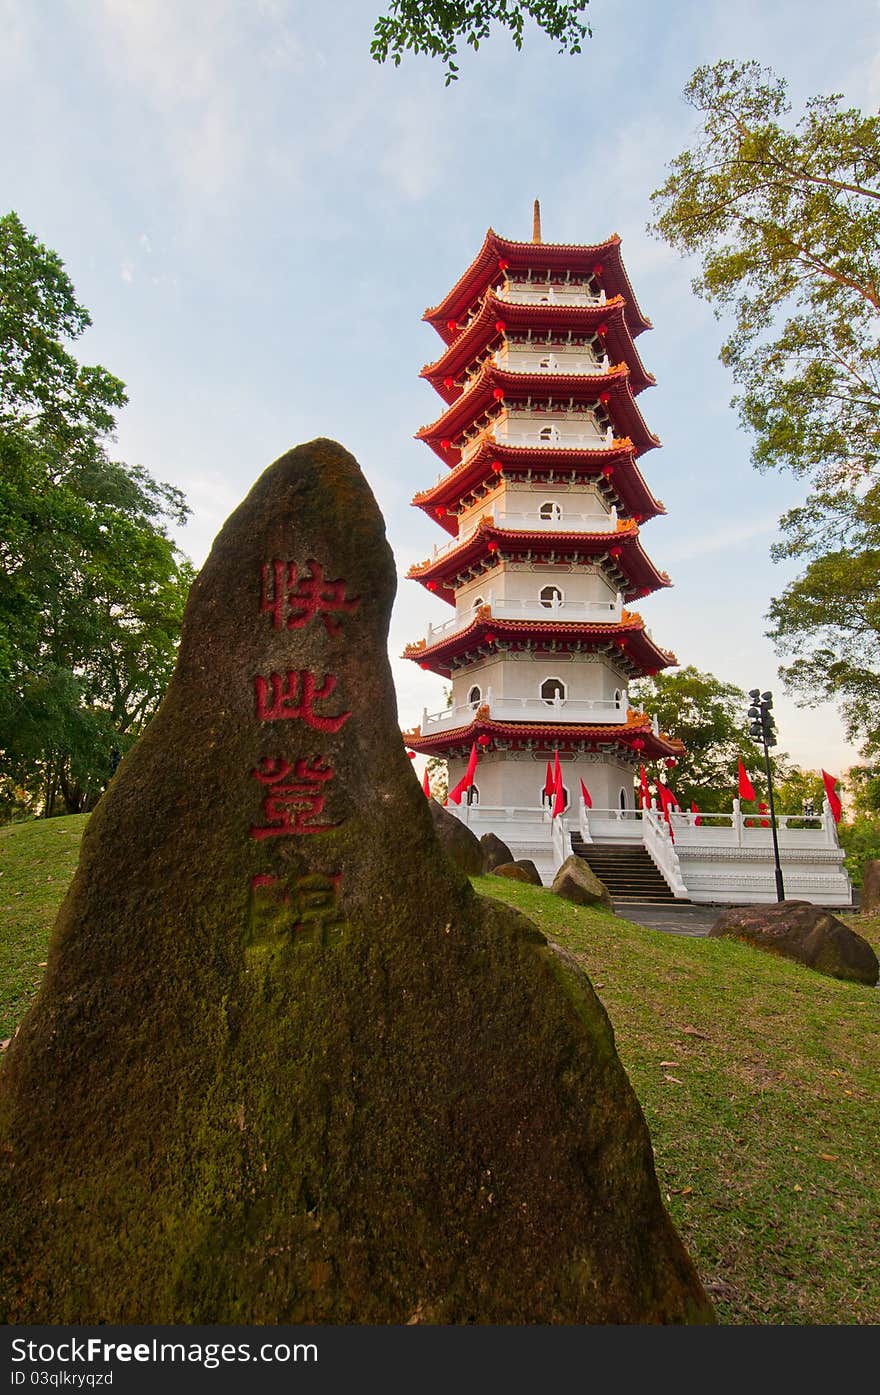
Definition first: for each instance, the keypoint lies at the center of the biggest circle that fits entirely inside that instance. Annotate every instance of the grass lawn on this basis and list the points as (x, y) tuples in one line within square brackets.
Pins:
[(758, 1079)]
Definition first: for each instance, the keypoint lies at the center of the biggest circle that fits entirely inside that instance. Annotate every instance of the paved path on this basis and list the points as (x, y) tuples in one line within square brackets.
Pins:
[(681, 919)]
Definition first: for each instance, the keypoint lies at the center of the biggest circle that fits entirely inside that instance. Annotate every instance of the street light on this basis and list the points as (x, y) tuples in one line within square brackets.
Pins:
[(763, 726)]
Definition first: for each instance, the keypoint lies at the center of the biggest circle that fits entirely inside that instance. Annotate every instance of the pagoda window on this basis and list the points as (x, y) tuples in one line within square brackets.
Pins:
[(475, 696), (550, 510), (548, 433), (551, 596), (623, 804), (553, 690), (618, 697)]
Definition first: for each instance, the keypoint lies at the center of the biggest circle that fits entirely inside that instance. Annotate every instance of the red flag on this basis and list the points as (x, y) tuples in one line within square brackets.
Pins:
[(694, 810), (558, 790), (667, 802), (549, 783), (467, 778), (585, 796), (645, 793), (426, 784), (746, 788), (831, 795)]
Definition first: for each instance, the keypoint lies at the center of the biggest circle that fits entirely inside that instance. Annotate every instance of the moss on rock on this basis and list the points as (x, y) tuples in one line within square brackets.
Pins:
[(311, 1076)]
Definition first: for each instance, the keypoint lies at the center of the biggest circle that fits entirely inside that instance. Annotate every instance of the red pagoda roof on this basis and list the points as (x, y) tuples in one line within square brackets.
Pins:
[(484, 271), (517, 735), (632, 649), (516, 315), (630, 569), (615, 466), (482, 400)]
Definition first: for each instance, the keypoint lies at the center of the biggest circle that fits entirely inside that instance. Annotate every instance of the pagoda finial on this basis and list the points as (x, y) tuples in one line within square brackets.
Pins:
[(536, 222)]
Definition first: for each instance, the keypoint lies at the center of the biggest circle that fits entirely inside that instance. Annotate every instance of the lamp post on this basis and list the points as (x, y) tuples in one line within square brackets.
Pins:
[(763, 726)]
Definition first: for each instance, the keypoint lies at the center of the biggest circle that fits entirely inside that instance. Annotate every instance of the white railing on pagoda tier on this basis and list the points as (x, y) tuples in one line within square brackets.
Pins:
[(522, 360), (602, 712), (538, 294), (596, 521), (587, 612), (548, 437)]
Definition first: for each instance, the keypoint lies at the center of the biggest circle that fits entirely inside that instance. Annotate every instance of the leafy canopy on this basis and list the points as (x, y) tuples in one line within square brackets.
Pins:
[(91, 586), (786, 220), (434, 27)]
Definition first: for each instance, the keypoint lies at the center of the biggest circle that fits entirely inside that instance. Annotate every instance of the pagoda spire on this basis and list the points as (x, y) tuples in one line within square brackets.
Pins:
[(536, 221)]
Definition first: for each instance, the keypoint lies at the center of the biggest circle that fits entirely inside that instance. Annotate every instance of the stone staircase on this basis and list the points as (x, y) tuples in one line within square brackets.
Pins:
[(626, 869)]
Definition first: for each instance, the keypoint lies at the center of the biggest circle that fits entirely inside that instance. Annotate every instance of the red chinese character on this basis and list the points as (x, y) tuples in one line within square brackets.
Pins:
[(290, 803), (294, 698), (312, 596)]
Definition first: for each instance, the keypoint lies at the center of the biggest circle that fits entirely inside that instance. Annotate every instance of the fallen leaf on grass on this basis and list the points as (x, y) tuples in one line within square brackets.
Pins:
[(674, 1078), (797, 1187), (43, 965), (828, 1157), (693, 1032), (670, 1063)]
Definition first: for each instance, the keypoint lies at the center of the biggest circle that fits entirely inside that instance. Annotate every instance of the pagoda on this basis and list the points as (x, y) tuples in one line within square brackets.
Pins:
[(542, 494)]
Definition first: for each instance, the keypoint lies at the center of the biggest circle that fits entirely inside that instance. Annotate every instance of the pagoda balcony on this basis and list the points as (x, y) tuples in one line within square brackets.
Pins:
[(572, 612), (540, 293), (591, 712), (548, 437), (597, 521), (535, 361)]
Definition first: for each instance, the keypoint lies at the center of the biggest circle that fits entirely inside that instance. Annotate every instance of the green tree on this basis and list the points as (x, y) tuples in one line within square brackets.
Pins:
[(828, 620), (92, 587), (786, 219), (785, 216), (435, 27), (709, 717)]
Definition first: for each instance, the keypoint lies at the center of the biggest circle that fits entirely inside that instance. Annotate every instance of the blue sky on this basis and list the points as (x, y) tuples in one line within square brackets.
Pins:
[(256, 215)]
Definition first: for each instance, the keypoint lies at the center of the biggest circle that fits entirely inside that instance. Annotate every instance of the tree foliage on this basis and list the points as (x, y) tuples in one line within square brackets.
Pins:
[(709, 716), (435, 27), (92, 587), (786, 220)]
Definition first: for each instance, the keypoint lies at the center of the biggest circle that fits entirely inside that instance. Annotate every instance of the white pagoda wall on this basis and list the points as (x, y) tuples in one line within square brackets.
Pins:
[(586, 678), (507, 779), (524, 581)]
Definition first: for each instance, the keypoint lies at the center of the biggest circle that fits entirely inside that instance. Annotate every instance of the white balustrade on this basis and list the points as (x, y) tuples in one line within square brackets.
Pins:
[(538, 294), (580, 365), (661, 850), (586, 612), (604, 712)]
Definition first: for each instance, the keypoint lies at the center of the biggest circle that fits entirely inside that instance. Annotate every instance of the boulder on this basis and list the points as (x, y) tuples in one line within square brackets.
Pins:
[(285, 1066), (494, 852), (576, 881), (522, 871), (455, 838), (869, 900), (803, 932)]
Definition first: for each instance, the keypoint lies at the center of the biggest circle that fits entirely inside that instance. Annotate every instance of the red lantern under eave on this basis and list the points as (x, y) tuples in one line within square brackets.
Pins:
[(500, 326), (427, 666), (602, 330), (498, 394), (604, 398), (449, 382), (440, 512), (598, 269), (489, 637), (608, 471), (452, 324), (502, 264), (483, 740), (431, 585), (638, 744), (497, 467), (446, 444), (492, 546), (615, 551), (411, 754)]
